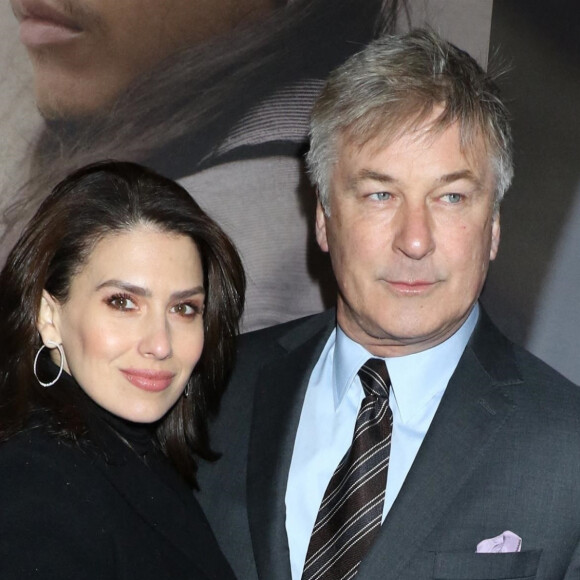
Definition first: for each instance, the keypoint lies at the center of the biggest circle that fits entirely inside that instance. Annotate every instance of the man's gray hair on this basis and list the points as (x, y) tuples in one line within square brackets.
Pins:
[(393, 86)]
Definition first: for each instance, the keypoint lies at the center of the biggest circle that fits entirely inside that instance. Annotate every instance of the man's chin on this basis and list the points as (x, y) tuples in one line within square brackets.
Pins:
[(397, 336)]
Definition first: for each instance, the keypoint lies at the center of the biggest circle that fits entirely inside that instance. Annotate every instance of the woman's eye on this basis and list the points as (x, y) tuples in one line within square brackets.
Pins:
[(121, 302), (186, 309)]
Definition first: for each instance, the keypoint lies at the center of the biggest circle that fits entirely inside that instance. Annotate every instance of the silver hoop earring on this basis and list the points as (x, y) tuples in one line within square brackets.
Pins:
[(186, 390), (61, 352)]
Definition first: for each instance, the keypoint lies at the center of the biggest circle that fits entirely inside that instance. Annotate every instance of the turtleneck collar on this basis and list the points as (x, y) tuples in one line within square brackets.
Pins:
[(138, 436)]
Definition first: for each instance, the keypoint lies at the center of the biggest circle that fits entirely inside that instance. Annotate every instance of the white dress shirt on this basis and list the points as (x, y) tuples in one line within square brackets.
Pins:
[(329, 412)]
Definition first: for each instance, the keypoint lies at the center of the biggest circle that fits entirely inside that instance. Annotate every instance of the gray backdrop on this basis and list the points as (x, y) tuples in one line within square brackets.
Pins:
[(533, 285)]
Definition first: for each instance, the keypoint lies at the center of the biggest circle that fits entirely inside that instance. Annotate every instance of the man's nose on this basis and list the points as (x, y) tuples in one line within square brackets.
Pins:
[(414, 231)]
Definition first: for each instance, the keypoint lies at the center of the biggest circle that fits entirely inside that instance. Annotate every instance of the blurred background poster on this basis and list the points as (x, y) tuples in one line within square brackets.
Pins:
[(217, 95)]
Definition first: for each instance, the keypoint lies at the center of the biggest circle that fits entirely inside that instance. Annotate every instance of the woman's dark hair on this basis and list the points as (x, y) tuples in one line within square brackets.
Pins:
[(88, 205)]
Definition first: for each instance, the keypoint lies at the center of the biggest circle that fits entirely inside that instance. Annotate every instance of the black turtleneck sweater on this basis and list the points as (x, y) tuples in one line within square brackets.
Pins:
[(109, 506)]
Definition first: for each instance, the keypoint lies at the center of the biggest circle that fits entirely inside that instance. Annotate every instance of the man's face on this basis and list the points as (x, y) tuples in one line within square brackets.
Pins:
[(410, 233), (85, 52)]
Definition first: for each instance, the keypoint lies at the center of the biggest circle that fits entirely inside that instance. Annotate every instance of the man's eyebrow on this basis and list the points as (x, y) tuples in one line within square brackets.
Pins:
[(140, 291), (365, 174), (368, 174), (458, 175)]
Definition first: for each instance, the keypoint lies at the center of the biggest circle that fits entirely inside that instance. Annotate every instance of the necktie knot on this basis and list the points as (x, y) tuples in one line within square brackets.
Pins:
[(375, 378)]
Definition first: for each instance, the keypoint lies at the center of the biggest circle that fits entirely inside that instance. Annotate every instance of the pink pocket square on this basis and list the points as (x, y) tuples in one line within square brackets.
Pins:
[(506, 542)]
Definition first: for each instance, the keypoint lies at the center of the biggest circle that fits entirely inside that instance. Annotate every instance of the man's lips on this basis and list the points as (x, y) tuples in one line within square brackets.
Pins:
[(149, 380), (411, 288), (42, 24)]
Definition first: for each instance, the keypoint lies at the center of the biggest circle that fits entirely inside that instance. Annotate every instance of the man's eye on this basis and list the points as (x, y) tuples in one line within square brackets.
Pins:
[(453, 197), (380, 196)]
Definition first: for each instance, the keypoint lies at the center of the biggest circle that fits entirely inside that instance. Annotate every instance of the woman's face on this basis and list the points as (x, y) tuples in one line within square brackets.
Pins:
[(86, 52), (132, 327)]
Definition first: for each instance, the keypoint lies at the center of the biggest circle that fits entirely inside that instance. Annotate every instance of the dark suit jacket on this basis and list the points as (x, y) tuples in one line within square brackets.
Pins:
[(502, 453), (69, 514)]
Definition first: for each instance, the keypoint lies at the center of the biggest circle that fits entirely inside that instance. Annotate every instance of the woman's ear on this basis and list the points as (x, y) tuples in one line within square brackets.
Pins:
[(48, 319)]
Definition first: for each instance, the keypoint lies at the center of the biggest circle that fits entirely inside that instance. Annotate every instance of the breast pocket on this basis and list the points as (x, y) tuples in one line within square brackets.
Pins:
[(471, 566)]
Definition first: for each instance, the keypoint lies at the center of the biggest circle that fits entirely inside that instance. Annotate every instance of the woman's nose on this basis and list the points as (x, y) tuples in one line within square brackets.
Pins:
[(156, 339)]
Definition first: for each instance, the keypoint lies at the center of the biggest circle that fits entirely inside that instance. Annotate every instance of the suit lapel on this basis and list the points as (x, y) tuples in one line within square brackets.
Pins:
[(278, 403), (468, 422)]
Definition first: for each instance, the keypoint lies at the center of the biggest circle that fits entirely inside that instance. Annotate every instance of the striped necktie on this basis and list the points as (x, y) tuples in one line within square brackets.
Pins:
[(350, 514)]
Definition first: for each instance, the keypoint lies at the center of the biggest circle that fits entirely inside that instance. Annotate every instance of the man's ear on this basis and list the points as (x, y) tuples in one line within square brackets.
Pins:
[(48, 322), (495, 236), (321, 227)]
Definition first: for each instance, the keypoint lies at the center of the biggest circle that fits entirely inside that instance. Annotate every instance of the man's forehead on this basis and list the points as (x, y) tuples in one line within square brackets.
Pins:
[(470, 147)]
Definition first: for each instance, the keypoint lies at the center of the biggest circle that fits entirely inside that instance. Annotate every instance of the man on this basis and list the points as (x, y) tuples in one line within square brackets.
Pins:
[(475, 444)]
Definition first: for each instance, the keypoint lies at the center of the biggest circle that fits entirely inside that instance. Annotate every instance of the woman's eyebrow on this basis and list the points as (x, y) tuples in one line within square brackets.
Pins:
[(128, 287), (140, 291), (182, 294)]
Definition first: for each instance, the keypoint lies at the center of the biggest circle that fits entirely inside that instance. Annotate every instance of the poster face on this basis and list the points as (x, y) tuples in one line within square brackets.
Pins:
[(217, 95)]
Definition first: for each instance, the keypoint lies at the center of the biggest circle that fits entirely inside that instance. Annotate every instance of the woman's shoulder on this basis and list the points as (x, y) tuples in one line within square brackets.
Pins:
[(50, 498), (35, 437), (38, 462)]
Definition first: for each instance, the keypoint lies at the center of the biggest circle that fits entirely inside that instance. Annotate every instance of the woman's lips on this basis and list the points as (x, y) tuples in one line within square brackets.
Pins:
[(149, 380), (42, 24)]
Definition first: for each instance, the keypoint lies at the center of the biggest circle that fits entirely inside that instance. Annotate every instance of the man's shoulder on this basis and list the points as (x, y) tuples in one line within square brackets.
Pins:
[(546, 383), (505, 360), (297, 329), (529, 380), (261, 347), (533, 366)]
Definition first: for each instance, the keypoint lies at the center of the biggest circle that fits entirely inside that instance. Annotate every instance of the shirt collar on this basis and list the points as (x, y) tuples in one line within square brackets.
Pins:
[(416, 378)]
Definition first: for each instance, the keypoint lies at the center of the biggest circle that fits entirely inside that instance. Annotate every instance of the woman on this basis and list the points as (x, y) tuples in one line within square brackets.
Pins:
[(118, 310)]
